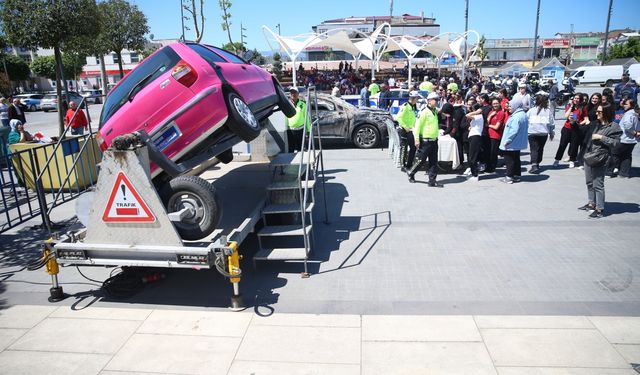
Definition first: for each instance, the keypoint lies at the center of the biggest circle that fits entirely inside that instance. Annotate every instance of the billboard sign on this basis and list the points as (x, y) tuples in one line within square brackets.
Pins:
[(513, 43), (555, 43)]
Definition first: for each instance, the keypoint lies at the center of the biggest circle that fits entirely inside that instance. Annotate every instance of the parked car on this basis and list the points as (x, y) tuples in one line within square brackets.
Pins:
[(92, 96), (50, 101), (31, 102), (190, 98), (607, 75), (365, 127)]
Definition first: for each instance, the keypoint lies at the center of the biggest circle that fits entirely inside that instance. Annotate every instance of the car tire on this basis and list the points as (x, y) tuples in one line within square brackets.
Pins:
[(33, 108), (609, 83), (198, 194), (284, 103), (225, 157), (45, 110), (241, 120), (366, 136)]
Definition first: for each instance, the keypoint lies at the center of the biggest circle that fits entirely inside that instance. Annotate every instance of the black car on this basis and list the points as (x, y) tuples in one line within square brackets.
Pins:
[(365, 127)]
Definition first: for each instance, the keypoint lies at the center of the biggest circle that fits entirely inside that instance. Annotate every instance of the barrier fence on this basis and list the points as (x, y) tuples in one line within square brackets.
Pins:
[(36, 177)]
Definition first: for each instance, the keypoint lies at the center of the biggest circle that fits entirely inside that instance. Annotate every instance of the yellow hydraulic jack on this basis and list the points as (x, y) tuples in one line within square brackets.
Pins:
[(233, 267), (56, 293)]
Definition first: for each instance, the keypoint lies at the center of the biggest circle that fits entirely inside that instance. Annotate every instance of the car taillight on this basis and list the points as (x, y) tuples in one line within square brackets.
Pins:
[(184, 74), (101, 142)]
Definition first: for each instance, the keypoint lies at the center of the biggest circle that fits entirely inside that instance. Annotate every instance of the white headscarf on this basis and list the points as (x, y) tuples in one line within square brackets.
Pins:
[(14, 124)]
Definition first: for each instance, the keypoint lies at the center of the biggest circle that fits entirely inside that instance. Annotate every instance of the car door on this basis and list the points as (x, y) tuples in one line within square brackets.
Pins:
[(331, 118), (243, 76)]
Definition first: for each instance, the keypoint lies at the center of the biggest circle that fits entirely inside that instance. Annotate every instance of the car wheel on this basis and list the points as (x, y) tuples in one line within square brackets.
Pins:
[(46, 110), (241, 120), (199, 196), (284, 103), (226, 157), (609, 83), (33, 108), (366, 136)]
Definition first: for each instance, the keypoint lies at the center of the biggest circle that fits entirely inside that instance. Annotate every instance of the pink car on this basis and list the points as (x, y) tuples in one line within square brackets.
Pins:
[(192, 100)]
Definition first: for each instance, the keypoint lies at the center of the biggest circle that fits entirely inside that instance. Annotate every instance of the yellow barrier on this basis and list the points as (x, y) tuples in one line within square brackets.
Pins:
[(85, 172)]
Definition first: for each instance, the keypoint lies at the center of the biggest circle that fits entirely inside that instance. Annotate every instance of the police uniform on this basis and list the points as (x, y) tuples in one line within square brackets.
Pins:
[(427, 130), (407, 119), (295, 126)]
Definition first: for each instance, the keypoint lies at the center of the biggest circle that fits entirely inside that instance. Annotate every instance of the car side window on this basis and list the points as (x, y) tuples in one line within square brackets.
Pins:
[(229, 56), (207, 54), (325, 106)]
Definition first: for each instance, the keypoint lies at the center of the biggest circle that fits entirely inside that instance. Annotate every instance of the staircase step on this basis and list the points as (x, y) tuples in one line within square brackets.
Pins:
[(283, 230), (294, 253), (285, 208), (289, 185), (292, 159)]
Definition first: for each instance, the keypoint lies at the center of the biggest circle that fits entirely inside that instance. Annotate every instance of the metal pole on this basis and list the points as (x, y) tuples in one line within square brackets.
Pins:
[(535, 35), (182, 18), (606, 33), (278, 26), (390, 11), (466, 28)]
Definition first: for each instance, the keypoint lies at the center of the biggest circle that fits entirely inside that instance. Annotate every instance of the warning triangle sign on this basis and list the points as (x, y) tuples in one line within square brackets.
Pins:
[(125, 204)]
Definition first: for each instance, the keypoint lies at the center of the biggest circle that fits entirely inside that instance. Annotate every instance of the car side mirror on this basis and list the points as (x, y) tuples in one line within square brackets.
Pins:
[(248, 56)]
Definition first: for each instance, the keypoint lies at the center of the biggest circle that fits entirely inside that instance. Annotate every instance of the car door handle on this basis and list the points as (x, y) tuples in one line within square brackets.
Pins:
[(243, 67)]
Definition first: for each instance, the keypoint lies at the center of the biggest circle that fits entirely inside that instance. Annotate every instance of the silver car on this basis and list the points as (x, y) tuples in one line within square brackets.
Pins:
[(50, 101)]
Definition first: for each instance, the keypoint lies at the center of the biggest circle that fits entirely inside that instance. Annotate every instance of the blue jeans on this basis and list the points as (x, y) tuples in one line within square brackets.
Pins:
[(77, 131)]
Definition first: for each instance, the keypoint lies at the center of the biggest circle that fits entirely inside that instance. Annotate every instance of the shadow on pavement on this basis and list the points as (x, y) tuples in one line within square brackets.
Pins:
[(615, 208)]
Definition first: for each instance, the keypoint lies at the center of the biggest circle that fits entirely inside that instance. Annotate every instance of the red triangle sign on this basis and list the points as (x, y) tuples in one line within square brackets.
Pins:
[(125, 204)]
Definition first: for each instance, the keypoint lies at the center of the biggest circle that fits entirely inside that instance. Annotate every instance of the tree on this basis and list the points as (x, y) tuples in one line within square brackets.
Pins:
[(17, 68), (277, 65), (45, 66), (631, 48), (481, 51), (123, 27), (151, 48), (49, 24), (236, 47), (225, 5), (198, 18)]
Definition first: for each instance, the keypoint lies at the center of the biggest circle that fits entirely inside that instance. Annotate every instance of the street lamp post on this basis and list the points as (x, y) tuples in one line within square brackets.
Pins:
[(466, 28), (182, 18), (278, 26), (606, 33), (535, 36)]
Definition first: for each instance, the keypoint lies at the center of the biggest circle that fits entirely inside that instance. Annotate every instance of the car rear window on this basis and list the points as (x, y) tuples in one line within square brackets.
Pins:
[(153, 67), (229, 56)]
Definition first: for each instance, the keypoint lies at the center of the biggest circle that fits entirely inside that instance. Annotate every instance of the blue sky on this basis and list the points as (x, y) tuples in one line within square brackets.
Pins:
[(493, 18)]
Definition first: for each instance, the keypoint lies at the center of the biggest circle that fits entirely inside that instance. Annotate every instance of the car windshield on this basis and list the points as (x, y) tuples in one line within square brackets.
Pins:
[(149, 70)]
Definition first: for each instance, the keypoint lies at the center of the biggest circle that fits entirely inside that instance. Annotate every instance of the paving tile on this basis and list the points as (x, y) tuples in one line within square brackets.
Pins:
[(289, 368), (562, 371), (551, 348), (50, 363), (201, 323), (77, 335), (175, 354), (106, 313), (24, 316), (451, 358), (9, 335), (301, 344), (419, 328), (514, 321), (308, 320), (618, 330), (631, 353)]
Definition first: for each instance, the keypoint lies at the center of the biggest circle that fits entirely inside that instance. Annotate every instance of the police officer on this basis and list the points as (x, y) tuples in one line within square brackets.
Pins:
[(295, 124), (425, 86), (407, 120), (426, 138)]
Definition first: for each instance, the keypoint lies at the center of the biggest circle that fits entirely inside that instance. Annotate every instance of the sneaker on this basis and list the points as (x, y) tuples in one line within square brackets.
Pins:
[(467, 172), (588, 207), (596, 214), (534, 169), (411, 179), (516, 178), (507, 180), (556, 163), (434, 184), (572, 164), (581, 167), (474, 178), (566, 160), (615, 171)]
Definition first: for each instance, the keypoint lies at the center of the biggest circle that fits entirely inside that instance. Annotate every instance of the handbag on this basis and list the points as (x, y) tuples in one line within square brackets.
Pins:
[(596, 158)]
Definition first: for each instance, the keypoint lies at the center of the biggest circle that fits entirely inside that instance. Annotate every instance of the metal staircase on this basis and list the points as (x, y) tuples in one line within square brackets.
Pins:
[(287, 234)]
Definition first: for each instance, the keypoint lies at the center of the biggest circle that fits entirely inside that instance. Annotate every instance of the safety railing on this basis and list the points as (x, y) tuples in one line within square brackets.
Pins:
[(313, 157), (36, 178)]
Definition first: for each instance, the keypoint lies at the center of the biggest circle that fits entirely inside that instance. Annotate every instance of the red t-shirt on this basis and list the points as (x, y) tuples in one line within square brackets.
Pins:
[(580, 115), (80, 121), (501, 117), (503, 103)]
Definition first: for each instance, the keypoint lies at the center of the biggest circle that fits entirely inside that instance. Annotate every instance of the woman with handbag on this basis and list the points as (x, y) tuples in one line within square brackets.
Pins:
[(605, 136)]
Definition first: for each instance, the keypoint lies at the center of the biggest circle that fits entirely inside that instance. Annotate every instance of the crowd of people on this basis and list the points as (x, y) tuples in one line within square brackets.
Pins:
[(598, 133)]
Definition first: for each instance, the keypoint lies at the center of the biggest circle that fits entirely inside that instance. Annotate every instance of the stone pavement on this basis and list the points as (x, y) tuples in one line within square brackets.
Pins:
[(59, 340)]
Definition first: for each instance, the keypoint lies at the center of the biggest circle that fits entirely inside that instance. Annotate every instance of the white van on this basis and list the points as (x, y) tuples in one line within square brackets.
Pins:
[(634, 72), (607, 75)]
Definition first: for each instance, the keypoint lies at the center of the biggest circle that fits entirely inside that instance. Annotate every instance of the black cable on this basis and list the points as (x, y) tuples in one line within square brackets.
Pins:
[(88, 278)]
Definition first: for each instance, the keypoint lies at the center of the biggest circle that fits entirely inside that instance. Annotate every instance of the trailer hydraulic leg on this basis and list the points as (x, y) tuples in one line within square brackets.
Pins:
[(233, 261), (56, 292)]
